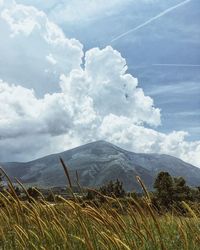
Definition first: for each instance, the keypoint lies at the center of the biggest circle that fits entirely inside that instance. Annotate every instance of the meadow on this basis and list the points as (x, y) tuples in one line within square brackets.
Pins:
[(80, 224)]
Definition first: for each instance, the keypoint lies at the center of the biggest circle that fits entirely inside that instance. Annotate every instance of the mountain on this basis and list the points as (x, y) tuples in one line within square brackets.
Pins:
[(97, 163)]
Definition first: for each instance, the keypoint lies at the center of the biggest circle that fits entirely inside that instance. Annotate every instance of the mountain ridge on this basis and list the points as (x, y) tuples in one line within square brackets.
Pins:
[(97, 163)]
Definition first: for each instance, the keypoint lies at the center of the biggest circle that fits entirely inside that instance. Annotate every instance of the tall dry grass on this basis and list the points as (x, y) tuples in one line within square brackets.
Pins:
[(74, 224)]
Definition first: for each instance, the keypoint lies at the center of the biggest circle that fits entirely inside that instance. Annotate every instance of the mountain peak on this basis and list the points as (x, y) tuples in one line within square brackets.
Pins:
[(99, 162)]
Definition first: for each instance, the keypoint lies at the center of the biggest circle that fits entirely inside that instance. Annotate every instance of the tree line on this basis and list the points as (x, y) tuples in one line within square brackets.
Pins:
[(169, 192)]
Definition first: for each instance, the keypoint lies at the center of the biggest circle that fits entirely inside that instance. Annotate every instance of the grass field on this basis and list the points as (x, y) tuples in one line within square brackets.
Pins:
[(73, 224)]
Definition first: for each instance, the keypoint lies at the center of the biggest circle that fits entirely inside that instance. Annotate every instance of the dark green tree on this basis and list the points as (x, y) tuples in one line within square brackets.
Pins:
[(90, 195), (113, 189), (50, 197), (33, 192), (164, 185), (181, 190), (118, 189)]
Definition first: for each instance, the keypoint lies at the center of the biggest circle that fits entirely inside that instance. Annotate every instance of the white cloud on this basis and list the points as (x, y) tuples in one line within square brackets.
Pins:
[(30, 47), (121, 131), (51, 59), (74, 11), (86, 97), (112, 90), (96, 101), (86, 11)]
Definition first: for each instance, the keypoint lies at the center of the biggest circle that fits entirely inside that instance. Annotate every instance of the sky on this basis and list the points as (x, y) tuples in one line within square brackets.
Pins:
[(77, 71)]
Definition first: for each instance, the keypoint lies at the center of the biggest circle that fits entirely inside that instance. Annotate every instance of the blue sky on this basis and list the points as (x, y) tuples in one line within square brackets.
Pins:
[(171, 39), (61, 85)]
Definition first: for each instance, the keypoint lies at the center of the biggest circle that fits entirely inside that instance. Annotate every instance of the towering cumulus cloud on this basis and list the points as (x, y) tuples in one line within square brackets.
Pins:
[(92, 97)]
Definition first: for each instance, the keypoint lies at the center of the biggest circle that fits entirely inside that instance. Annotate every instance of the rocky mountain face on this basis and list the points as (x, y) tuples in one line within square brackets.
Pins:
[(99, 162)]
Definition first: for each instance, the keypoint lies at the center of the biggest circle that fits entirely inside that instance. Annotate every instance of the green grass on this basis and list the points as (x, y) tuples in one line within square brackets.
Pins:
[(71, 225), (77, 224)]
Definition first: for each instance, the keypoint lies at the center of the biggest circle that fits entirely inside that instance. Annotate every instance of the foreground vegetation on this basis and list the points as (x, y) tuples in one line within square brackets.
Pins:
[(102, 221)]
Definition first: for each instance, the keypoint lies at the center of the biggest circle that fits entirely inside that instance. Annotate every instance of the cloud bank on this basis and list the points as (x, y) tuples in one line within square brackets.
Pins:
[(95, 99), (34, 50)]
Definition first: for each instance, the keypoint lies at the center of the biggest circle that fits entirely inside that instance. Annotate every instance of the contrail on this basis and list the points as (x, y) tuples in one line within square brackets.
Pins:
[(151, 20), (176, 65)]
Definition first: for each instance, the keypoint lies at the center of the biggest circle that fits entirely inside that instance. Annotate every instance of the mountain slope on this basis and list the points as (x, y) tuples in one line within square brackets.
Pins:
[(99, 162)]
